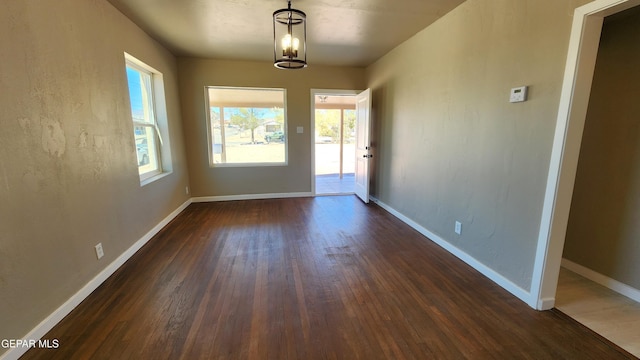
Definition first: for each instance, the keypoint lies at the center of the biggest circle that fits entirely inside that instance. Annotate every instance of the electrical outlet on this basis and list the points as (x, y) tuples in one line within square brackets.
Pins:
[(99, 251), (458, 228), (186, 190)]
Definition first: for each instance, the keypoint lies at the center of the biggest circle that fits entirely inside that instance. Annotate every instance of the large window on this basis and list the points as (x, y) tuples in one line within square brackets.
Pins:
[(246, 126), (144, 85)]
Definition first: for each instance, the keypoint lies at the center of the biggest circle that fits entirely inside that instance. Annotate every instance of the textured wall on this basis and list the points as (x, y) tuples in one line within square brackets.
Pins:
[(195, 74), (68, 169), (604, 224), (450, 146)]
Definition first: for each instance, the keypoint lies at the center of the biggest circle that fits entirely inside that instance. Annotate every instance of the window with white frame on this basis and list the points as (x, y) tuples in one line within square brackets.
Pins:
[(146, 93), (246, 126)]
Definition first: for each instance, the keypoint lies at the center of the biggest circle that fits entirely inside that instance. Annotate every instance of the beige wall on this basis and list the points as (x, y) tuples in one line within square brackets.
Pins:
[(449, 144), (195, 74), (68, 169), (604, 224)]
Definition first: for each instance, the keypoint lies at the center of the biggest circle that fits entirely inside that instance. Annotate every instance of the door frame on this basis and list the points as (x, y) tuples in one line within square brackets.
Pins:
[(574, 100), (312, 128)]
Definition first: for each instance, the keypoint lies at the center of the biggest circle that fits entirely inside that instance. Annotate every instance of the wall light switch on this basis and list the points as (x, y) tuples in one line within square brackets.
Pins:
[(518, 94), (300, 129)]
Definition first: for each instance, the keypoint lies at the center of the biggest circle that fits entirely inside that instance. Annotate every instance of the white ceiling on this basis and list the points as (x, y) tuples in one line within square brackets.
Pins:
[(339, 32)]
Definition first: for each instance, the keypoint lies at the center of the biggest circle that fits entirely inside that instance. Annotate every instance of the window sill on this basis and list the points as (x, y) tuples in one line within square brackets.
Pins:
[(248, 165), (154, 178)]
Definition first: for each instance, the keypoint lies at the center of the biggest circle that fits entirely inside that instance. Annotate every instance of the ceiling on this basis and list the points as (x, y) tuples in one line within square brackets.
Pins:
[(339, 32)]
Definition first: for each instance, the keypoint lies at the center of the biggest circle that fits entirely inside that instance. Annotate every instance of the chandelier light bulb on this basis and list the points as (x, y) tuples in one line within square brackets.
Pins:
[(286, 42)]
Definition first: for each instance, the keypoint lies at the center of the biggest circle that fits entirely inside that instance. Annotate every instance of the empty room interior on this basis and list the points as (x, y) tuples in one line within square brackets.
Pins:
[(160, 179)]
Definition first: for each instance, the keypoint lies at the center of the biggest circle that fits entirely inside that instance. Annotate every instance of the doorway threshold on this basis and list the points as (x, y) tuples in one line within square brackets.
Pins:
[(332, 184)]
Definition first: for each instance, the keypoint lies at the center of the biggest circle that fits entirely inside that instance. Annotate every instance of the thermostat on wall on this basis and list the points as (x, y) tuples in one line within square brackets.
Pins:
[(518, 94)]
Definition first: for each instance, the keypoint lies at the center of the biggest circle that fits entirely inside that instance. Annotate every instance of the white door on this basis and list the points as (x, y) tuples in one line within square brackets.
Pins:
[(363, 145)]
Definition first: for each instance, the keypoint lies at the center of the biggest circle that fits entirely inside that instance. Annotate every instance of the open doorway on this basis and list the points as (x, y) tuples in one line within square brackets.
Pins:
[(600, 277), (563, 182), (334, 120), (574, 100)]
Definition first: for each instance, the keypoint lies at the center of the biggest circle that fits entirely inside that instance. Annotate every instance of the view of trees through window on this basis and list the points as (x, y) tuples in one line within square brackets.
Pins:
[(247, 126)]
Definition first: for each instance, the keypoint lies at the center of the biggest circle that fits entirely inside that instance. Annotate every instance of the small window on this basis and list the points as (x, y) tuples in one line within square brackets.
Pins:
[(144, 85), (246, 126)]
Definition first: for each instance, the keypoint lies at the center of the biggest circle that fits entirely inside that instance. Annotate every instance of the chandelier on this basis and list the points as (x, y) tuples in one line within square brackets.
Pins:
[(289, 38)]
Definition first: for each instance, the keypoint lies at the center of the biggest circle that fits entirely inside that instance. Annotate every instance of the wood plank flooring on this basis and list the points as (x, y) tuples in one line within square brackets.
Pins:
[(307, 278)]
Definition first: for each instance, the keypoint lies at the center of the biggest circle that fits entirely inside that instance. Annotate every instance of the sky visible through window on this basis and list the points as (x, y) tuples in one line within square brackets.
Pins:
[(135, 93)]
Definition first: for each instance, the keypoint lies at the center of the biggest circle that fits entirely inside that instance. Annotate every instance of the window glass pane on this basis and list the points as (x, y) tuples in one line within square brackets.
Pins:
[(145, 148), (247, 126), (137, 94), (144, 122)]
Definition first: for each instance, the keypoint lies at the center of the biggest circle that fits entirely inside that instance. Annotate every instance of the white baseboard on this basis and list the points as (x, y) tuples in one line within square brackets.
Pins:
[(615, 285), (250, 197), (54, 318), (471, 261), (545, 304)]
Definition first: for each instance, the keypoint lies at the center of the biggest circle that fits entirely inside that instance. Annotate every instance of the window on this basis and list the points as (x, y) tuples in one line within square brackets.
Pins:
[(146, 94), (246, 126)]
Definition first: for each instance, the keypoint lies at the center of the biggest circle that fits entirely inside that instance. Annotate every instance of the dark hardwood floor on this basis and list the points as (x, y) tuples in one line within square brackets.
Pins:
[(307, 278)]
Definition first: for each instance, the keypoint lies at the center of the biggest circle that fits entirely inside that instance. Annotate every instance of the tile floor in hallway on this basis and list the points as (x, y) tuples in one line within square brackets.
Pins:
[(610, 314)]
